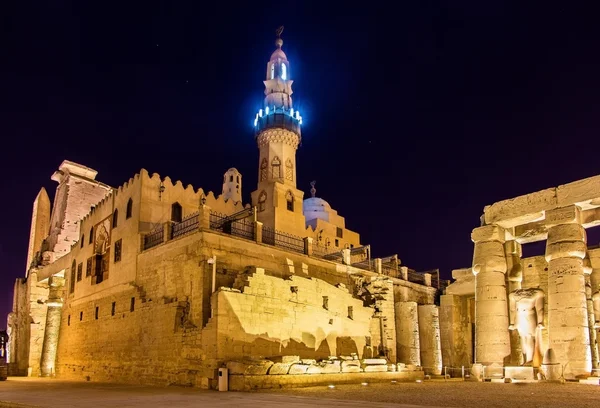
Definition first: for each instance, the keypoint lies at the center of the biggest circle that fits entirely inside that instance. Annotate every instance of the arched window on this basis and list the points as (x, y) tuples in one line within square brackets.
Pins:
[(263, 170), (289, 170), (262, 198), (129, 209), (272, 71), (176, 212), (91, 238), (289, 198), (283, 71), (82, 240), (276, 167), (115, 220)]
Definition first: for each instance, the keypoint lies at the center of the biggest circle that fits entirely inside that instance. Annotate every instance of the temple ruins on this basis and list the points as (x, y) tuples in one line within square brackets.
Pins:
[(536, 317)]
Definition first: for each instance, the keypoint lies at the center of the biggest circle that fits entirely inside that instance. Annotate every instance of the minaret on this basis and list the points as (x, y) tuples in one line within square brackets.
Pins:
[(232, 185), (277, 133)]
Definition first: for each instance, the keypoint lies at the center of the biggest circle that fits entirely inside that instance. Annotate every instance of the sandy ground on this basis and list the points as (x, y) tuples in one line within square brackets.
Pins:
[(35, 392), (462, 394)]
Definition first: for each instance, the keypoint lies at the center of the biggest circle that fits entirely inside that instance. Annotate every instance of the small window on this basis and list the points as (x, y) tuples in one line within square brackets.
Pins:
[(231, 178), (350, 312), (283, 71), (115, 220), (82, 240), (79, 272), (89, 266), (272, 71), (337, 242), (68, 320), (91, 238), (132, 305), (294, 289), (72, 280), (276, 167), (118, 246), (97, 312), (237, 179), (129, 209), (289, 198), (176, 212), (113, 308), (339, 232), (326, 302), (80, 316)]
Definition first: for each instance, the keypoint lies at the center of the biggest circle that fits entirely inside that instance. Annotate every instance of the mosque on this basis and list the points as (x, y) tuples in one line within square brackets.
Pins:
[(155, 282)]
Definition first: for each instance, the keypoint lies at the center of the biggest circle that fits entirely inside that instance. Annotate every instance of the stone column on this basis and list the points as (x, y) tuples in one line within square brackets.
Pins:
[(53, 317), (455, 331), (492, 341), (569, 334), (407, 333), (591, 322), (429, 339)]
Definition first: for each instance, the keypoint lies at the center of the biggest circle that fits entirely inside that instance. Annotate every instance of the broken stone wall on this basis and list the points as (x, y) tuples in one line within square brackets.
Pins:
[(269, 316)]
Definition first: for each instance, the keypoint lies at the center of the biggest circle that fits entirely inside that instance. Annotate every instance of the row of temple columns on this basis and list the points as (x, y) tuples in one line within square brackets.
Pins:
[(569, 313)]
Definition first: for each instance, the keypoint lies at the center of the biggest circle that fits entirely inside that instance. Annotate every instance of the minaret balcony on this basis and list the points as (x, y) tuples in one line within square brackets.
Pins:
[(277, 118)]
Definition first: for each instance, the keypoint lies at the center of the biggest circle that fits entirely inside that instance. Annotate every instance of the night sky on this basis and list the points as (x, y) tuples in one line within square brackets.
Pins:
[(414, 117)]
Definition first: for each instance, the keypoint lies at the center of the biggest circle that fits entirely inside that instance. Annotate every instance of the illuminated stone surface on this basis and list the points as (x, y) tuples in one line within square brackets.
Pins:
[(165, 283)]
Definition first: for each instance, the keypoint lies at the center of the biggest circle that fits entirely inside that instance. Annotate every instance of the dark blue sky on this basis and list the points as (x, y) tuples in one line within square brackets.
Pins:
[(415, 117)]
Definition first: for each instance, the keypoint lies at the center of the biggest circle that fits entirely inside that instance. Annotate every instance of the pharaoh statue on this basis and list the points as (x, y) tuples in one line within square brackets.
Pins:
[(527, 317), (596, 300)]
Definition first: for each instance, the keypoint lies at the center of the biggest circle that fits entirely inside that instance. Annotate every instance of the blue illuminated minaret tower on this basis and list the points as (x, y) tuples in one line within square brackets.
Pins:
[(277, 134)]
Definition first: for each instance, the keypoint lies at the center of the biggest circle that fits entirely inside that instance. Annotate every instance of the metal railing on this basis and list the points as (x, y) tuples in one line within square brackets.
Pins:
[(216, 220), (289, 241), (154, 238), (187, 225), (240, 228), (230, 225)]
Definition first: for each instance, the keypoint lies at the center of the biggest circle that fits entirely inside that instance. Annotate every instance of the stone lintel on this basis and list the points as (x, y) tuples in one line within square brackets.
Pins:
[(488, 233), (526, 208), (538, 231)]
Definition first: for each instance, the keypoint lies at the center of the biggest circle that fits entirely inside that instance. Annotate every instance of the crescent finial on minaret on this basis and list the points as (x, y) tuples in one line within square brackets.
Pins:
[(279, 41)]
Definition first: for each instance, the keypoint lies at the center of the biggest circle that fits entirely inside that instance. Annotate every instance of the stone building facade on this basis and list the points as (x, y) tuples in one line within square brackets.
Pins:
[(541, 312), (159, 283)]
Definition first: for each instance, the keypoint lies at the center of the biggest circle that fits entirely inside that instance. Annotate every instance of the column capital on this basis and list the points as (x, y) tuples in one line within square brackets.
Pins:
[(563, 215), (489, 233)]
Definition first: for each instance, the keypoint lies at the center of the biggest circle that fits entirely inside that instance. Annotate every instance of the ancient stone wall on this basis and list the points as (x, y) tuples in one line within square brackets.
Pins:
[(75, 195), (269, 316)]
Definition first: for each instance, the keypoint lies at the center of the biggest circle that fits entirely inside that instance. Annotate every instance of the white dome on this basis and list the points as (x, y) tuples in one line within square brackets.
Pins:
[(315, 204)]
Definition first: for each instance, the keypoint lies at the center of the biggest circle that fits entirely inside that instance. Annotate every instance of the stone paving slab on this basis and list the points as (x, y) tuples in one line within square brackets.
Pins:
[(48, 393)]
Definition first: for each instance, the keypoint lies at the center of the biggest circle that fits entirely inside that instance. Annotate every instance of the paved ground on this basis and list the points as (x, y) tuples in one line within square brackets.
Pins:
[(28, 392)]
